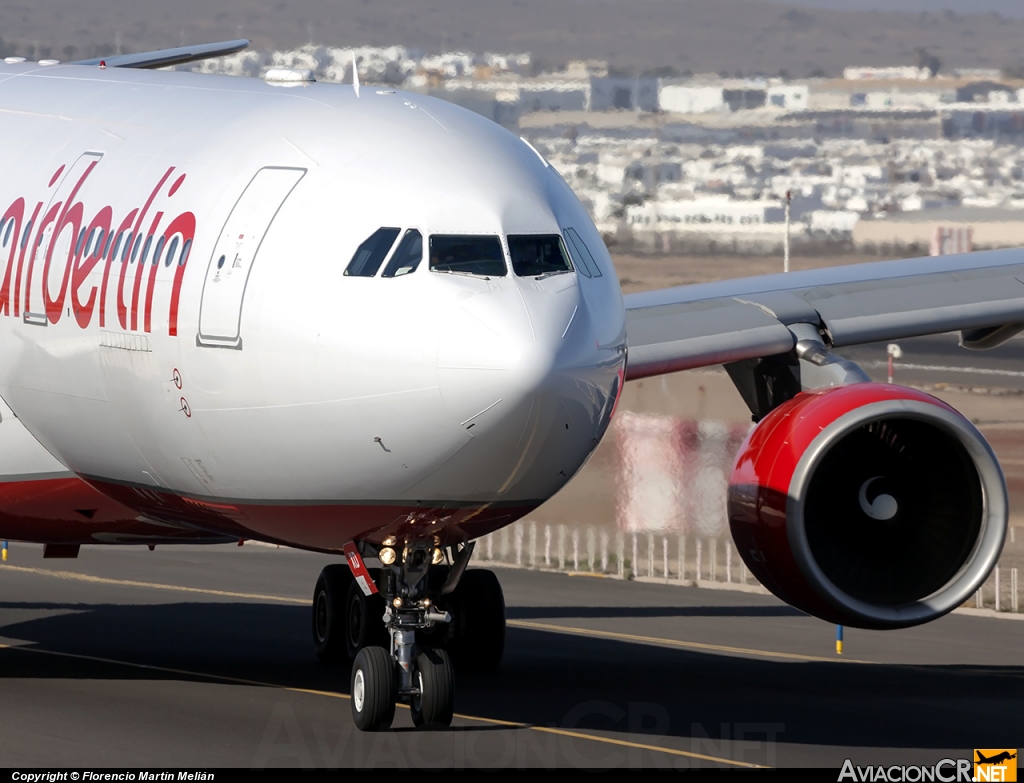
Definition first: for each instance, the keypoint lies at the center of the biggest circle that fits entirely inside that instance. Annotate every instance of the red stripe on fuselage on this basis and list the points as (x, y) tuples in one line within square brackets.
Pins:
[(66, 510), (323, 526)]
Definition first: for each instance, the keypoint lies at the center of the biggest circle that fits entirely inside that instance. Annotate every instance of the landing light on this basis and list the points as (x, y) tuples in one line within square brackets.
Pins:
[(387, 555)]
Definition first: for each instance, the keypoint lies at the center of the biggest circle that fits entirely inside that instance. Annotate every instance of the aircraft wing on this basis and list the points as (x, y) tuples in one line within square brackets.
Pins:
[(165, 57), (681, 328)]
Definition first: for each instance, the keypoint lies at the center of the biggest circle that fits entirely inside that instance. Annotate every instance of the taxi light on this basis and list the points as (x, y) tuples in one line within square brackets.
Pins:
[(437, 557), (397, 602), (387, 555)]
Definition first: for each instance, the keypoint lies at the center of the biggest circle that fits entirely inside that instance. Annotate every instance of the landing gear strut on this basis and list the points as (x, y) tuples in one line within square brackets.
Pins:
[(404, 638)]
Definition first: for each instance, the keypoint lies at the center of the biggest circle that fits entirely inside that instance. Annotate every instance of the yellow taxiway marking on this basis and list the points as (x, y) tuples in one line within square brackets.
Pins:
[(154, 585), (629, 637), (642, 746), (171, 670), (332, 695)]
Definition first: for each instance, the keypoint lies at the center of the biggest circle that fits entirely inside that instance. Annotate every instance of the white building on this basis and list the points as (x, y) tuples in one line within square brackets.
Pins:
[(690, 99), (508, 63), (553, 95), (833, 222), (521, 95), (791, 97), (450, 64), (977, 73), (893, 98), (629, 93), (857, 73)]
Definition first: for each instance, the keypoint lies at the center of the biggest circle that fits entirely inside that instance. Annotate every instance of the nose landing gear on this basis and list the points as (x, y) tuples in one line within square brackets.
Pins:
[(426, 607), (423, 678)]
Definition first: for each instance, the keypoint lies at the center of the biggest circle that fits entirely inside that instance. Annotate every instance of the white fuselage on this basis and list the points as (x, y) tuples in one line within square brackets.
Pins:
[(272, 395)]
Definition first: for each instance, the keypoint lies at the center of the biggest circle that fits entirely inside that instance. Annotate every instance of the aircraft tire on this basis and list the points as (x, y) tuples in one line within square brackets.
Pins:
[(373, 689), (435, 704), (329, 625)]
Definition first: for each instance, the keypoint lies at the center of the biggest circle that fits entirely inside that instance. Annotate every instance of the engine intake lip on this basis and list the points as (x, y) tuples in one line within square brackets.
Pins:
[(980, 561)]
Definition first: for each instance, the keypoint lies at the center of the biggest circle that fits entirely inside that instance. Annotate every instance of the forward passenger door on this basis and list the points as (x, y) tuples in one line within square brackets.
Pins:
[(220, 312)]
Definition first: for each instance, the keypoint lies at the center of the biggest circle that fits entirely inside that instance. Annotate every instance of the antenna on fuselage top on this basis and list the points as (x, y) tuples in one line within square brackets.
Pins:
[(355, 74)]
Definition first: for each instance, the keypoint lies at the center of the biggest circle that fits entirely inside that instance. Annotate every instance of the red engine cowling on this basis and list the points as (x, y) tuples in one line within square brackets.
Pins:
[(870, 505)]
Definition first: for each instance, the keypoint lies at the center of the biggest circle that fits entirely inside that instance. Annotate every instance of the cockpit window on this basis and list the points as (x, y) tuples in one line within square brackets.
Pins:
[(371, 254), (534, 255), (469, 255), (582, 254), (407, 257)]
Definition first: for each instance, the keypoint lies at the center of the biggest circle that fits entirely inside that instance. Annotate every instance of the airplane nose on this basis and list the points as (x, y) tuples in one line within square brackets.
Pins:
[(520, 373), (497, 351)]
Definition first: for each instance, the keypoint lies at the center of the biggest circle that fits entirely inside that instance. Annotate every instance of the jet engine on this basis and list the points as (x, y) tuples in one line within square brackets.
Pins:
[(869, 505)]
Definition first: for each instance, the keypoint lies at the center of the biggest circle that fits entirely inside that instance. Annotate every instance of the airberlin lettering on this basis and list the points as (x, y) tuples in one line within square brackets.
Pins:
[(131, 252)]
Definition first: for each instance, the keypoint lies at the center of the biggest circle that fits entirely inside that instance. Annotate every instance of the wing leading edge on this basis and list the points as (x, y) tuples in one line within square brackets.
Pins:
[(714, 323), (165, 57)]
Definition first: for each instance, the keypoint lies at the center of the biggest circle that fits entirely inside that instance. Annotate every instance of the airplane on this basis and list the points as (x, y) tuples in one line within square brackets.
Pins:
[(996, 759), (361, 321)]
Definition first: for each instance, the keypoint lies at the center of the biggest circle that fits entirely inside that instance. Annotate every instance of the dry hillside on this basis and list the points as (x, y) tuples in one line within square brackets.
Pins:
[(732, 36)]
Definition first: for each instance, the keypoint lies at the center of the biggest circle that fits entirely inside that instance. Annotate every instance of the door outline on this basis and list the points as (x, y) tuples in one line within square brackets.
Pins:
[(235, 343)]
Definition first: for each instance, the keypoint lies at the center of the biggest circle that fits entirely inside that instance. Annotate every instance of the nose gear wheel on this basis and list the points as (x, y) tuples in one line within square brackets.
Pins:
[(434, 704), (373, 689)]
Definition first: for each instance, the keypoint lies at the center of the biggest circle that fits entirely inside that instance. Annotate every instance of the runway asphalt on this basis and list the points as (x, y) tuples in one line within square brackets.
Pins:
[(939, 359), (201, 657)]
